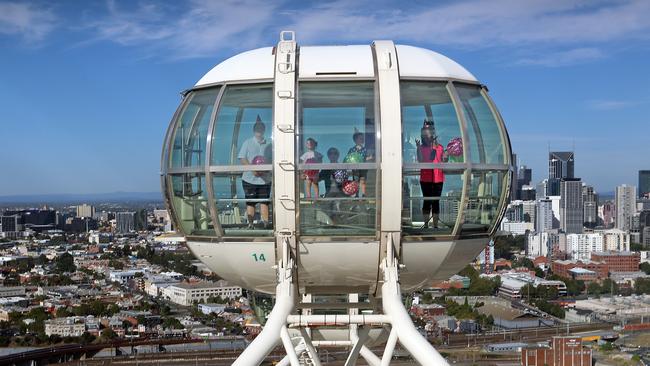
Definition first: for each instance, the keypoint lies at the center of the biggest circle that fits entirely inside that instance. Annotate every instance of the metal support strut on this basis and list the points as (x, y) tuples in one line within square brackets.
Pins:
[(301, 349)]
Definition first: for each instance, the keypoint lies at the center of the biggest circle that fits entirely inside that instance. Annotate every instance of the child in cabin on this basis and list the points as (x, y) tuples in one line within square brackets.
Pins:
[(359, 154), (311, 156)]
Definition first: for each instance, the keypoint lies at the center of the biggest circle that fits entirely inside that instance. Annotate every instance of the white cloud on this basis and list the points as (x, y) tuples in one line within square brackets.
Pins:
[(478, 23), (200, 28), (26, 20), (563, 58), (537, 32), (612, 104)]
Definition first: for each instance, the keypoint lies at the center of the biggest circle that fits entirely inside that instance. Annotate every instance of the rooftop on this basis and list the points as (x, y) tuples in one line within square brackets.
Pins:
[(615, 253), (200, 285)]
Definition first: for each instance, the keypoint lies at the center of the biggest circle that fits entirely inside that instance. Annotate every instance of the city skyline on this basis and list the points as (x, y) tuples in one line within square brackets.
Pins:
[(92, 87)]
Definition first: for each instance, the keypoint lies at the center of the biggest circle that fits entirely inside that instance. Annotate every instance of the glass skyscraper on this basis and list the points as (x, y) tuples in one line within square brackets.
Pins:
[(644, 183), (560, 166)]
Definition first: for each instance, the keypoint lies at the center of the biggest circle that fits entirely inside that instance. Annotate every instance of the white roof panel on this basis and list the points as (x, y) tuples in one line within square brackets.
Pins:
[(335, 61), (250, 65), (420, 62)]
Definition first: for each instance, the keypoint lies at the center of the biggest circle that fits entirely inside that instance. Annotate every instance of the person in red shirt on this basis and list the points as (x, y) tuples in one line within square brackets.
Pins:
[(431, 180)]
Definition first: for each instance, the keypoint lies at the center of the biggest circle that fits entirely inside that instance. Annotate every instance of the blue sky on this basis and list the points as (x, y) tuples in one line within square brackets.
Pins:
[(87, 88)]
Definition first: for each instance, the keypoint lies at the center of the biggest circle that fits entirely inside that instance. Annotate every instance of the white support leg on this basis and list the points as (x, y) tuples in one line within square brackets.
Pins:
[(288, 346), (390, 348), (402, 324), (269, 338), (358, 338), (311, 350)]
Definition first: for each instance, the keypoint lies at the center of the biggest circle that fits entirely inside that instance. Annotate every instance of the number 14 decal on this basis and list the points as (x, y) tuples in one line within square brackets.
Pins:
[(259, 257)]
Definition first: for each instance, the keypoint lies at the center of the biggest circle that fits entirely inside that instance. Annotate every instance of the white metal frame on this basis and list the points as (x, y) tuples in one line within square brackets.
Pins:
[(301, 349)]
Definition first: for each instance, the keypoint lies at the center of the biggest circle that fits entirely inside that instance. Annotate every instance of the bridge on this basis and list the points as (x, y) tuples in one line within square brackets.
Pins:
[(70, 352)]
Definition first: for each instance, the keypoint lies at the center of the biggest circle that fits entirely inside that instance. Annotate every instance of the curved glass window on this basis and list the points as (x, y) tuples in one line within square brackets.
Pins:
[(486, 142), (241, 160), (431, 134), (190, 134), (240, 109), (486, 189), (431, 208), (337, 159), (427, 105), (189, 199)]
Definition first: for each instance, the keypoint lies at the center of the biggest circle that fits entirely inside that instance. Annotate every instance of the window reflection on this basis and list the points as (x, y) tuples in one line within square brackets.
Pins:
[(484, 137), (190, 202), (419, 202), (242, 109), (190, 135), (429, 105), (485, 190), (232, 201), (336, 151), (242, 138)]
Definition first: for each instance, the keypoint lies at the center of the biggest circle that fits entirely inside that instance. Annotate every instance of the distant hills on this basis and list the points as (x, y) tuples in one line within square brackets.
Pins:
[(91, 197)]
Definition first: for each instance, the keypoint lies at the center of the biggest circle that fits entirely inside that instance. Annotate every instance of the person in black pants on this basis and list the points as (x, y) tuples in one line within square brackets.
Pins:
[(431, 180)]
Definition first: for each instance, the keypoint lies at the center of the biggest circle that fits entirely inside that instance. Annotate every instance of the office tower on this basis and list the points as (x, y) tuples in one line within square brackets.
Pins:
[(542, 192), (590, 202), (525, 175), (124, 222), (34, 219), (85, 211), (140, 220), (571, 206), (644, 183), (625, 202), (527, 193), (11, 223), (544, 217), (560, 166)]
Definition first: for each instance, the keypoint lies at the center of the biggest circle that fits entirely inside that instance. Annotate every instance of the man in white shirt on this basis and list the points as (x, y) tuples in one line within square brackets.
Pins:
[(257, 185)]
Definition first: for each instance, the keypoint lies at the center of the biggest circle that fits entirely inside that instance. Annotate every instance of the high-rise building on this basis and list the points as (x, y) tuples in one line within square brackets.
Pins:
[(11, 223), (542, 189), (525, 175), (644, 183), (580, 246), (571, 206), (590, 202), (85, 211), (560, 166), (544, 217), (124, 222), (625, 205), (140, 220), (34, 219)]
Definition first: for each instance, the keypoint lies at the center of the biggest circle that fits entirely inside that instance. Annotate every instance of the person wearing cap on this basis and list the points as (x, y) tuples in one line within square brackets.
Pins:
[(256, 184), (431, 180)]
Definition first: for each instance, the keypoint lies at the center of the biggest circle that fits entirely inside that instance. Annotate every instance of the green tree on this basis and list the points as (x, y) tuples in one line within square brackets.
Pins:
[(642, 286), (171, 323), (108, 334), (645, 267), (64, 263), (117, 264), (594, 288)]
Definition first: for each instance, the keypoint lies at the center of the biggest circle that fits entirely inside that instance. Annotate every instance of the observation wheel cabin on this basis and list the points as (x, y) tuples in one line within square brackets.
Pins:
[(341, 151)]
